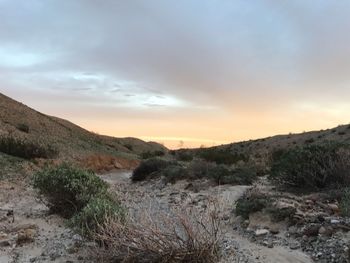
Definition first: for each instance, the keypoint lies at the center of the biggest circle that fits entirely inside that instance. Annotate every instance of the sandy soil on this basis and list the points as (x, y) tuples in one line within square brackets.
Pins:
[(31, 234), (49, 240), (240, 249)]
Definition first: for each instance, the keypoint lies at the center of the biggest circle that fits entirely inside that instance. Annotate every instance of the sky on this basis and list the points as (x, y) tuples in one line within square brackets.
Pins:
[(186, 73)]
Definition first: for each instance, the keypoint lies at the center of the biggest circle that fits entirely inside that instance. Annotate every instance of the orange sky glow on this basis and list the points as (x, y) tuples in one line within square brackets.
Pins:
[(184, 73)]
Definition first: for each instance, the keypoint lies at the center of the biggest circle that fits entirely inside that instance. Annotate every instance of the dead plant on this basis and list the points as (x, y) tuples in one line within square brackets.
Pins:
[(169, 235)]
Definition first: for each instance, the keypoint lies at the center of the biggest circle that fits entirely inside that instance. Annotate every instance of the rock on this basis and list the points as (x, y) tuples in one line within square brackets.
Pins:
[(335, 221), (25, 236), (3, 235), (245, 223), (292, 230), (309, 202), (334, 208), (5, 243), (77, 238), (268, 243), (261, 232), (312, 230), (294, 245), (322, 230), (274, 230), (284, 205)]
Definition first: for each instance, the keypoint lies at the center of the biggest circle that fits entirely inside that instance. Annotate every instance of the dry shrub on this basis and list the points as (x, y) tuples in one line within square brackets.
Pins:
[(313, 166), (173, 236)]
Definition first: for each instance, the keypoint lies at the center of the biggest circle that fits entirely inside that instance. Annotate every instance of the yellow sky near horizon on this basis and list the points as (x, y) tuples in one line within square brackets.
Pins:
[(183, 73)]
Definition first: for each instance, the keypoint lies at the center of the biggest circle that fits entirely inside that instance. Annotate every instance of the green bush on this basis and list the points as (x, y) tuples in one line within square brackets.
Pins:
[(96, 213), (280, 214), (184, 156), (129, 147), (148, 154), (247, 205), (345, 203), (148, 169), (26, 149), (221, 156), (313, 166), (221, 174), (174, 172), (68, 189)]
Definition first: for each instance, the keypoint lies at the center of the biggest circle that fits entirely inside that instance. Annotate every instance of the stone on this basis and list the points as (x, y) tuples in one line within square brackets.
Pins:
[(335, 221), (5, 243), (3, 235), (77, 238), (245, 223), (294, 245), (334, 208), (268, 243), (274, 230), (322, 230), (309, 202), (312, 230), (26, 236), (261, 232)]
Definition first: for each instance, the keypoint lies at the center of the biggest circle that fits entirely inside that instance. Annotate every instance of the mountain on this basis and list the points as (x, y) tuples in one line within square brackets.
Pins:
[(260, 151), (69, 141)]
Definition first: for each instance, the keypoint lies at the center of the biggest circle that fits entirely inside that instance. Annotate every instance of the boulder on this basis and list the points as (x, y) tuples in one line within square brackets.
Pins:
[(261, 232)]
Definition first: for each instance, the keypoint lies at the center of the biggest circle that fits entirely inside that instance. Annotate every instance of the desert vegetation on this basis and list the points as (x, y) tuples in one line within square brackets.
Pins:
[(75, 185), (312, 166), (174, 236), (26, 149), (172, 171)]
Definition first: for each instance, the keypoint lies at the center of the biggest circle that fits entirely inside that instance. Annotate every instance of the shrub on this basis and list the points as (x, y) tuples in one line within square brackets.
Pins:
[(174, 172), (239, 176), (280, 214), (198, 169), (313, 166), (311, 140), (221, 156), (68, 189), (23, 127), (129, 147), (172, 236), (247, 205), (345, 203), (148, 154), (26, 149), (184, 156), (148, 169), (95, 214)]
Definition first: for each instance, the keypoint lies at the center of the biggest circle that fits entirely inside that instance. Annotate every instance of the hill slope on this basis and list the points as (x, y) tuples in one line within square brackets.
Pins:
[(260, 151), (70, 140)]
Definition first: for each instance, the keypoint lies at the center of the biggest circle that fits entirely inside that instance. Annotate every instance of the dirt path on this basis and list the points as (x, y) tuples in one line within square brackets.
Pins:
[(32, 235), (29, 234), (238, 248)]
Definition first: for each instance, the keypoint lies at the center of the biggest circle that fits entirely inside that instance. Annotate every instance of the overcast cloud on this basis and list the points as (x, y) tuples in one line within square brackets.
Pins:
[(247, 68)]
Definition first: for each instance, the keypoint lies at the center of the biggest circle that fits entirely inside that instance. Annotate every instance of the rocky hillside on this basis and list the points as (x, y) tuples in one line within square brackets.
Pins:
[(260, 151), (69, 141)]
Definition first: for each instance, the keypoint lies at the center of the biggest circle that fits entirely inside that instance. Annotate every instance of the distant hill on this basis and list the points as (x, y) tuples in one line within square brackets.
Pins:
[(260, 151), (71, 141)]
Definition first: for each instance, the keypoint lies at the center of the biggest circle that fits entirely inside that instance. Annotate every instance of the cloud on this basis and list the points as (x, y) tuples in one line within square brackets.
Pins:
[(236, 59)]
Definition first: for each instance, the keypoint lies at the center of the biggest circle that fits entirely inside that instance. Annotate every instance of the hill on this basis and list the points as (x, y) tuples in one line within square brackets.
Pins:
[(66, 140), (260, 151)]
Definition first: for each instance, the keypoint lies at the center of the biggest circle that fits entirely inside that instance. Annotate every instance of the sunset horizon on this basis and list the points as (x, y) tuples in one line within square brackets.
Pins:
[(184, 74)]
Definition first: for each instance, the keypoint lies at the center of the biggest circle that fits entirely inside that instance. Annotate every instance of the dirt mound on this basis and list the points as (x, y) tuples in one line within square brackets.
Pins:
[(104, 163)]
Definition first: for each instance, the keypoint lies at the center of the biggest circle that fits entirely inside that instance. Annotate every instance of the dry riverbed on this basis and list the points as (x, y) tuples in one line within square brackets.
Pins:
[(29, 234)]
